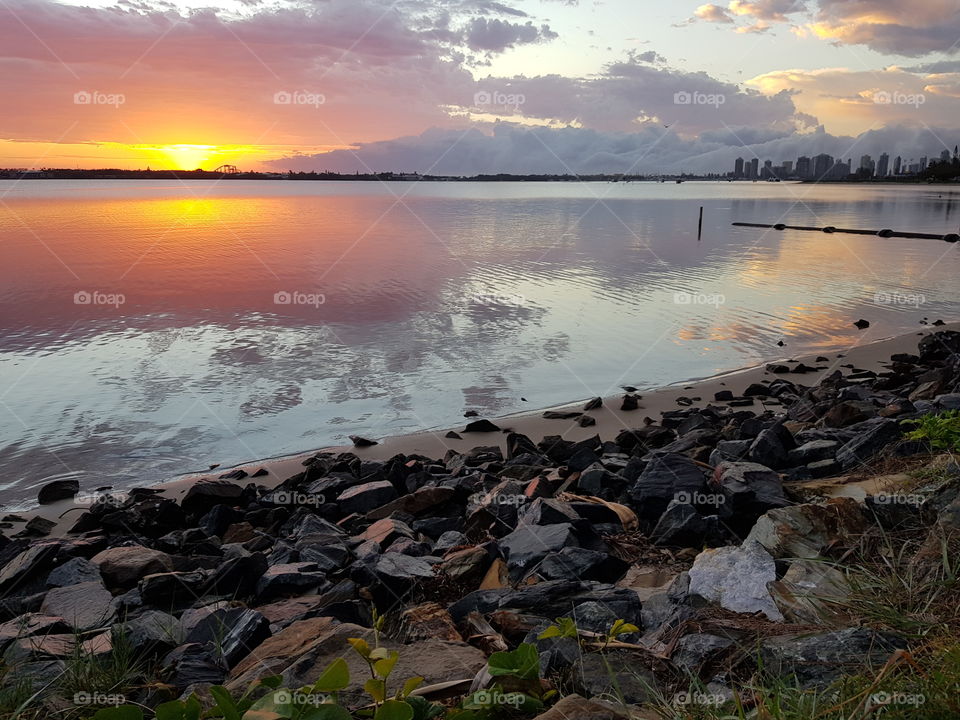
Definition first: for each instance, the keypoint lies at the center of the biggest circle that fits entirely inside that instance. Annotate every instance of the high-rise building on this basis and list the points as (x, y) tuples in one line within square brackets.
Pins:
[(804, 169), (945, 156), (866, 164), (738, 168), (767, 171), (821, 165), (923, 163), (754, 167), (787, 168), (883, 165), (896, 165)]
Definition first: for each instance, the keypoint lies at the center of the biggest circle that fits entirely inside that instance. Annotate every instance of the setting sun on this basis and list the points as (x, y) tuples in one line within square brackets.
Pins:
[(188, 157)]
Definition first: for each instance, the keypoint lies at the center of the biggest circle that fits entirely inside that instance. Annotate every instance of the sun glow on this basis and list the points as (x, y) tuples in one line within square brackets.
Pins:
[(188, 157)]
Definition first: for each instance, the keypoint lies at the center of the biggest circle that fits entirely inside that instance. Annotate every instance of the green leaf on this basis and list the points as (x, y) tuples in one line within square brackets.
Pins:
[(225, 703), (377, 689), (378, 653), (174, 710), (394, 710), (334, 678), (192, 708), (524, 662), (384, 666), (410, 685), (272, 682), (121, 712), (550, 632), (361, 646)]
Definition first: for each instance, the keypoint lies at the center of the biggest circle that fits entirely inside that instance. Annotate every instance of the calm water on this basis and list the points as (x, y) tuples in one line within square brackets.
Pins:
[(152, 328)]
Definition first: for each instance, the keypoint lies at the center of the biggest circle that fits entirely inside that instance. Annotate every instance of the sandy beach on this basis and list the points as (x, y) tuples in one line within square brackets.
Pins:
[(610, 420)]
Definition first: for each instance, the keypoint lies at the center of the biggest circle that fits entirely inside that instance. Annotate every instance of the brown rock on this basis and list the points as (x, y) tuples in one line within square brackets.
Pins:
[(285, 612), (239, 533), (302, 651), (429, 621), (575, 706), (466, 564), (417, 502), (124, 566)]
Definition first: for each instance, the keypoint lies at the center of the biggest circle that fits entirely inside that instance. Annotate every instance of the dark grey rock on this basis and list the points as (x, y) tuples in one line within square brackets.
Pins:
[(73, 572), (234, 632), (57, 490)]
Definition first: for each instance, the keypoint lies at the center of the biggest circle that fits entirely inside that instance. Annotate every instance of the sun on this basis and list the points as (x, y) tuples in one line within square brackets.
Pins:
[(188, 157)]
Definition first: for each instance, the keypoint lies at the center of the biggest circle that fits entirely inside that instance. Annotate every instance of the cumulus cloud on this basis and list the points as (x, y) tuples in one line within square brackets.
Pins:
[(712, 13), (855, 99), (889, 26), (495, 35)]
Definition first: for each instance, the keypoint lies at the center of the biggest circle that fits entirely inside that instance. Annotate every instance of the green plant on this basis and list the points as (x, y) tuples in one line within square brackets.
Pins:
[(518, 687), (941, 431)]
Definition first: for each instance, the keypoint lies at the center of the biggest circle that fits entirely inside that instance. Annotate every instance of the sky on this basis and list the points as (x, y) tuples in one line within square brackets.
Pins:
[(471, 86)]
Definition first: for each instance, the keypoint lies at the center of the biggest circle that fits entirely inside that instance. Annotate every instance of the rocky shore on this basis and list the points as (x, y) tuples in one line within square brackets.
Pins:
[(688, 551)]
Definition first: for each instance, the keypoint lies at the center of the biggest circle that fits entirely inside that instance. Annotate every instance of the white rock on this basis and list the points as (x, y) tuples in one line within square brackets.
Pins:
[(736, 578)]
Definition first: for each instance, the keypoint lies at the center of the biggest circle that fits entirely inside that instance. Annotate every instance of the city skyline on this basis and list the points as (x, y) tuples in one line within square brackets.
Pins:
[(824, 165)]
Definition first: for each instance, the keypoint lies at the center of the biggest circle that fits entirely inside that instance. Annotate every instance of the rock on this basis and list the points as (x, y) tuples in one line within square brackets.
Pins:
[(237, 577), (420, 502), (289, 578), (37, 527), (805, 531), (936, 348), (451, 435), (810, 593), (366, 497), (586, 421), (868, 443), (572, 707), (723, 395), (151, 633), (630, 402), (359, 441), (616, 674), (561, 414), (171, 590), (57, 490), (235, 632), (812, 451), (666, 475), (399, 576), (736, 578), (849, 413), (682, 526), (749, 490), (693, 650), (594, 404), (193, 663), (72, 572), (481, 426), (302, 651), (123, 567), (429, 621), (468, 564), (204, 494), (770, 447), (818, 660), (85, 606), (862, 324), (547, 511), (581, 563), (756, 390), (31, 625), (529, 544)]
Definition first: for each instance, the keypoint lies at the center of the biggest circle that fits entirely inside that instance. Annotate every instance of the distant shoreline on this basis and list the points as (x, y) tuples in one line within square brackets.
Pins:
[(118, 174)]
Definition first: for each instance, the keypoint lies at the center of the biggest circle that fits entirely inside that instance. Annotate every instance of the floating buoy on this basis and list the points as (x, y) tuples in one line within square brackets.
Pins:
[(779, 226), (951, 237), (886, 232), (829, 229)]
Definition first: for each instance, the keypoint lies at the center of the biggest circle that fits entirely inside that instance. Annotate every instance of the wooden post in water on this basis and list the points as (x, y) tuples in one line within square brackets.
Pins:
[(700, 224)]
